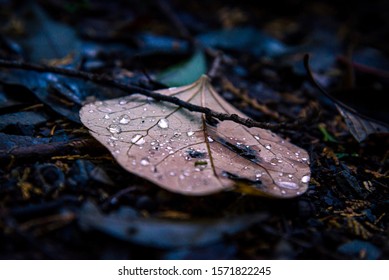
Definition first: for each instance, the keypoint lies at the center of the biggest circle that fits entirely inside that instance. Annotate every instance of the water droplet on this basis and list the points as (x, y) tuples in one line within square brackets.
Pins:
[(274, 161), (114, 128), (305, 179), (106, 117), (124, 119), (190, 133), (257, 137), (163, 123), (210, 140), (290, 176), (304, 159), (268, 146), (172, 173), (111, 142), (144, 162), (287, 185), (138, 140), (123, 101), (105, 109), (281, 174), (258, 175), (283, 192), (90, 111)]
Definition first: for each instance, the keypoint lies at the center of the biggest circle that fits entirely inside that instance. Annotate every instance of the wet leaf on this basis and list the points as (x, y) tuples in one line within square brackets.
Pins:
[(187, 153), (164, 233)]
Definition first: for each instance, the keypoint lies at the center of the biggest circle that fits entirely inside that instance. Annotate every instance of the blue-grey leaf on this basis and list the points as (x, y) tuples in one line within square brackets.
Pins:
[(185, 73)]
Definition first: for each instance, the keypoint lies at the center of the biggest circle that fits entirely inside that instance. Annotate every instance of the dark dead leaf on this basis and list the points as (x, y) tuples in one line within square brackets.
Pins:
[(62, 94), (164, 233), (152, 139), (365, 111), (360, 126)]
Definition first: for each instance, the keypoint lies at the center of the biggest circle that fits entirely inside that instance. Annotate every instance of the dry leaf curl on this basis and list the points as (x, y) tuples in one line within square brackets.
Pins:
[(186, 153)]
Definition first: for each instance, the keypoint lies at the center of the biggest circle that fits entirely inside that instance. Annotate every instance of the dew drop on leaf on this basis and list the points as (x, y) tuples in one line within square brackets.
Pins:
[(122, 101), (163, 123), (305, 179), (105, 109), (144, 162), (138, 139), (190, 133), (114, 128), (288, 185), (124, 119)]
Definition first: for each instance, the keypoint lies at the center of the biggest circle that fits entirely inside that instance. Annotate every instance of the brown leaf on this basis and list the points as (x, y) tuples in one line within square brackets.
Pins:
[(187, 153)]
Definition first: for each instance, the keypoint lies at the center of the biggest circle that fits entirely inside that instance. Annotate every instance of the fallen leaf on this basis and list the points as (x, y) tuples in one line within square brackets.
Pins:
[(185, 73), (186, 153), (360, 126), (125, 224)]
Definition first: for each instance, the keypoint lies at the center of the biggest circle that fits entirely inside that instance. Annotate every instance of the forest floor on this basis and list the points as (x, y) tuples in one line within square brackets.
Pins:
[(62, 194)]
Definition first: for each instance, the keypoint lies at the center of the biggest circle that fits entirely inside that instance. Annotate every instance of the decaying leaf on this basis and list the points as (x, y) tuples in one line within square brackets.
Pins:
[(185, 152), (361, 127), (164, 233)]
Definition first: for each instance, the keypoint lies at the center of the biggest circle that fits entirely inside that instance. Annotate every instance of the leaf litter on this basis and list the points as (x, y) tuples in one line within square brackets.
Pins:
[(188, 153), (127, 225)]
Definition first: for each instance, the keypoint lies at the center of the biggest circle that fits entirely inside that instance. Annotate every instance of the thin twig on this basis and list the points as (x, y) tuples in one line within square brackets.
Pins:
[(108, 82), (48, 149), (174, 19)]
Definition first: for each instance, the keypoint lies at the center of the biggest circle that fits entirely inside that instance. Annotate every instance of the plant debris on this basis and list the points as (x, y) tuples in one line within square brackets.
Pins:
[(63, 195)]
